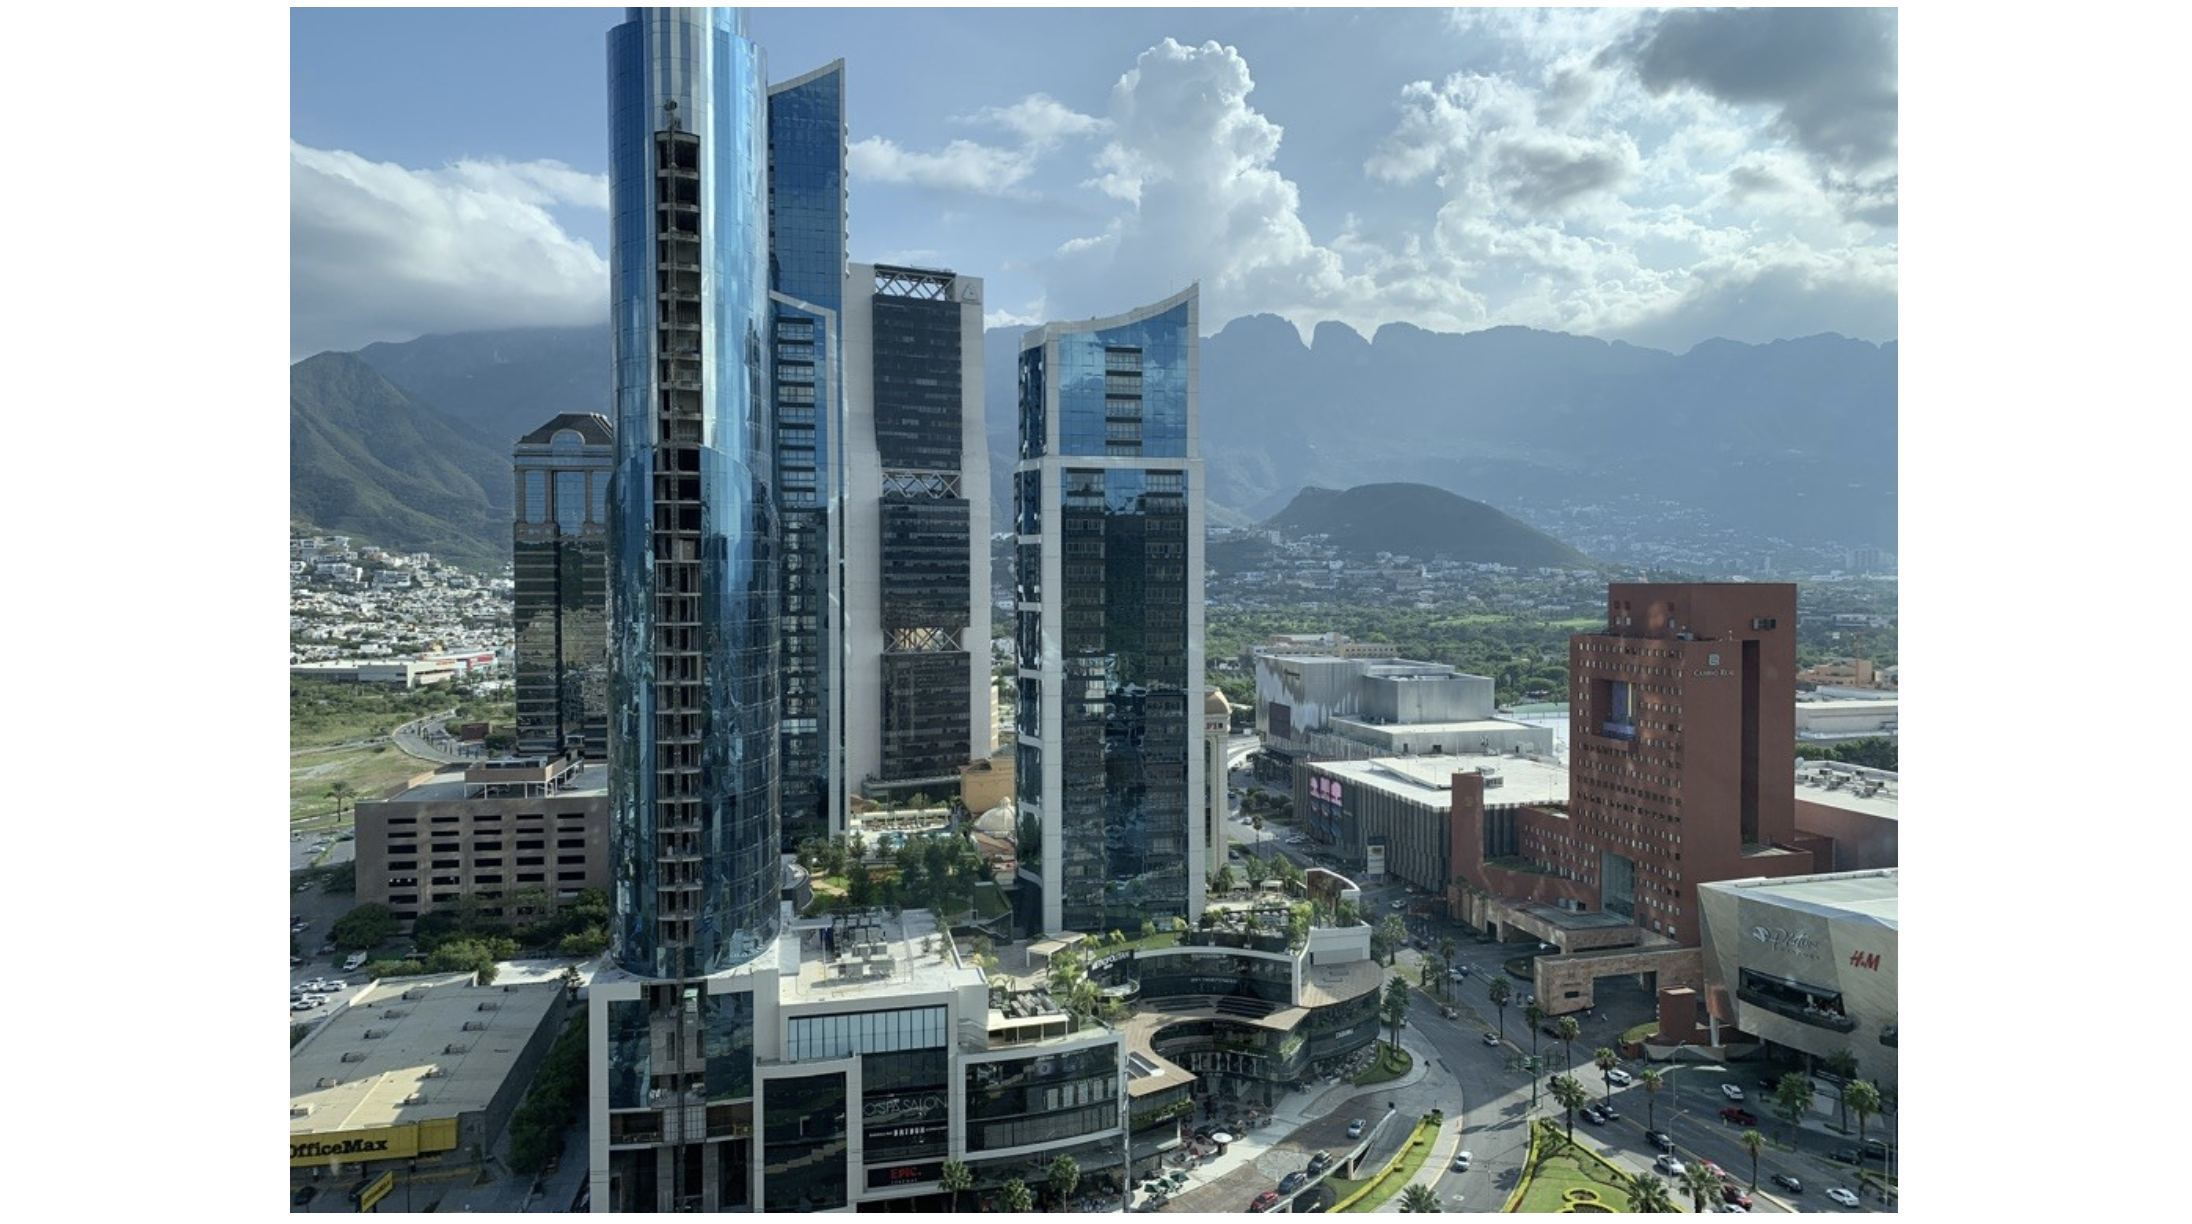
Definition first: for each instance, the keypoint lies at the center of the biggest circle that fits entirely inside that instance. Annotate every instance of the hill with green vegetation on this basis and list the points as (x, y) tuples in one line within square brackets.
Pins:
[(1423, 523), (368, 459)]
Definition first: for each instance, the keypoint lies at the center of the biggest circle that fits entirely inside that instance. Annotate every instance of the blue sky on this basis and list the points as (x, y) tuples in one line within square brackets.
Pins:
[(1656, 177)]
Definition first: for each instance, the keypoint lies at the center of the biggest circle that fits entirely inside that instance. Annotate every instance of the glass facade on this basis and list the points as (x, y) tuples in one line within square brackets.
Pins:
[(560, 598), (806, 204), (1043, 1098), (1108, 513), (805, 1143), (693, 594)]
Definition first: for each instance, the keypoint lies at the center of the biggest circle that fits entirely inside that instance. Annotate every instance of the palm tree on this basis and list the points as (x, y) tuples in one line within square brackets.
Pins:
[(1014, 1195), (1791, 1097), (1569, 1031), (1699, 1181), (1844, 1065), (1446, 950), (1534, 1016), (1648, 1195), (340, 791), (1255, 819), (1605, 1059), (956, 1177), (1393, 1008), (1572, 1095), (1499, 992), (1864, 1101), (1754, 1143), (1419, 1198), (1065, 1174), (1653, 1080)]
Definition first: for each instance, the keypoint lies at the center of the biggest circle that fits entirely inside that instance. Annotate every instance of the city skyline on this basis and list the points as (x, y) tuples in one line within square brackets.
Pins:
[(1607, 172)]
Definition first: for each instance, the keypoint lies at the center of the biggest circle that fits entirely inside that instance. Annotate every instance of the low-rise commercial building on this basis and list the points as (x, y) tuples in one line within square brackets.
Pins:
[(1809, 964)]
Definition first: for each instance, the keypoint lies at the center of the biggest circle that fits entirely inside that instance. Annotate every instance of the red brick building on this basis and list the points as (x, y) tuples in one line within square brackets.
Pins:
[(1681, 769)]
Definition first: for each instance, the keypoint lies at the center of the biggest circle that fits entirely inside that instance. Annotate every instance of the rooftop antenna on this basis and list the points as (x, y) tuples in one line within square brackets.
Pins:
[(671, 107)]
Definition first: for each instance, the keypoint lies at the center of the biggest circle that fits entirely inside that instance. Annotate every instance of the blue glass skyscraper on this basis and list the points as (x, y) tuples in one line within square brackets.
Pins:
[(1108, 505)]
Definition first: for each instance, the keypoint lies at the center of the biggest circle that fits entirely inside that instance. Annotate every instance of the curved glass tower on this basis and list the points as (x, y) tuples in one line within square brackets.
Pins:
[(693, 589), (1109, 603)]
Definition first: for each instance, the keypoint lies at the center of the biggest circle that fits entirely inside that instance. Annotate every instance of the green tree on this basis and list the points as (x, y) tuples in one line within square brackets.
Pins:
[(1419, 1198), (1392, 934), (1791, 1097), (1222, 881), (1393, 1008), (1843, 1063), (362, 927), (1256, 819), (1653, 1080), (1699, 1181), (1571, 1095), (1754, 1143), (1569, 1031), (1605, 1059), (1534, 1016), (1014, 1196), (1499, 991), (1064, 1176), (859, 885), (1864, 1101), (464, 956), (341, 792), (1648, 1195), (1446, 950), (956, 1177)]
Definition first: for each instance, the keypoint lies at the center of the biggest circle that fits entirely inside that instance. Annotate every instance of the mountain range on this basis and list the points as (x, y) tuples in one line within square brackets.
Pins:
[(1793, 439)]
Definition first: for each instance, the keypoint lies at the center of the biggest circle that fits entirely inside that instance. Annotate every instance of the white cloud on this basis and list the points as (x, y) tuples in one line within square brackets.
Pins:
[(962, 165), (379, 251), (1042, 121)]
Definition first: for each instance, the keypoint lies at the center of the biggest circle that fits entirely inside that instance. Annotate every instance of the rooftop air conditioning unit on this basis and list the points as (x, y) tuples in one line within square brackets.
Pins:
[(353, 1056), (433, 1072), (300, 1111), (489, 1006), (393, 1014), (474, 1026), (329, 1081), (453, 1049), (375, 1034)]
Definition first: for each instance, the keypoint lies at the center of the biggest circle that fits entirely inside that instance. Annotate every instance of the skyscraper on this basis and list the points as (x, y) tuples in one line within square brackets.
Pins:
[(695, 605), (916, 515), (1108, 508), (560, 601)]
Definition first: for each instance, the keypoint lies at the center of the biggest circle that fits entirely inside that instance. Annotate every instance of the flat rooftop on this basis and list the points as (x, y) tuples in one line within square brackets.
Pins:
[(873, 957), (1865, 896), (1428, 779), (586, 780), (401, 1052)]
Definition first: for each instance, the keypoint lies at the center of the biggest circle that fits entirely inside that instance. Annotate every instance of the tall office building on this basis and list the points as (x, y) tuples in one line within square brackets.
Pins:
[(1683, 725), (1108, 509), (806, 126), (560, 599), (695, 610), (917, 666)]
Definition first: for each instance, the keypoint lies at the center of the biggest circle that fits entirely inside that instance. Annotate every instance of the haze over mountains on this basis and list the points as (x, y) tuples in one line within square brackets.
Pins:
[(1794, 439)]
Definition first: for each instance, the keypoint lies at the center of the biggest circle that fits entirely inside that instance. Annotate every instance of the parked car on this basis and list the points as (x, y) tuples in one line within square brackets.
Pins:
[(1875, 1148), (1292, 1182), (1668, 1165), (1607, 1109), (1739, 1116), (1731, 1092), (302, 1005), (304, 1195), (1265, 1201), (1619, 1077), (1660, 1139), (1842, 1195), (1732, 1193), (1845, 1156), (1355, 1128), (1789, 1183)]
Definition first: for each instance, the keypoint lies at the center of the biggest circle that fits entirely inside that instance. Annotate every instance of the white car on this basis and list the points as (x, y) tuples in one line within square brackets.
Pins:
[(1617, 1076), (1731, 1092), (333, 986), (1399, 905), (1842, 1196), (303, 1005), (1461, 1161), (1669, 1165)]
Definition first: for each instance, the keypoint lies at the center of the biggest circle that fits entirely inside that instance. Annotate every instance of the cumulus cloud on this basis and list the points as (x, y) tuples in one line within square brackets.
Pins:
[(1039, 119), (1191, 160), (1829, 75), (380, 251)]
